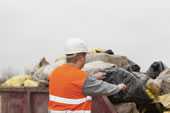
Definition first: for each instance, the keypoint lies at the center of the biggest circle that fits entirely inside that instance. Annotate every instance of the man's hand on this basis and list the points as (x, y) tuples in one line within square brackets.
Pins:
[(99, 75), (123, 87)]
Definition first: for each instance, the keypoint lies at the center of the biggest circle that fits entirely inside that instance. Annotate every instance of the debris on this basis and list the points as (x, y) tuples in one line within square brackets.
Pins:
[(16, 81), (31, 83), (120, 61)]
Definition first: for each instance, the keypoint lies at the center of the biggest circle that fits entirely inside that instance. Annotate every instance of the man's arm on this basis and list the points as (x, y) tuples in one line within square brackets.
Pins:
[(92, 86)]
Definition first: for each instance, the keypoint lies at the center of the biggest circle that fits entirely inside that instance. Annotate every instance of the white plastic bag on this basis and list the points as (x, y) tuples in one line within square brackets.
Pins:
[(43, 72)]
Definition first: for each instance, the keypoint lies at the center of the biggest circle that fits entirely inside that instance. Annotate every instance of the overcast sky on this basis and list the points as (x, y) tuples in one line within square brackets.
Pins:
[(31, 29)]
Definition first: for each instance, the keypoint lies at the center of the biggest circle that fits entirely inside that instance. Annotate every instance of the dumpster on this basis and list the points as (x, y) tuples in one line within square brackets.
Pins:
[(23, 100), (101, 104), (35, 100)]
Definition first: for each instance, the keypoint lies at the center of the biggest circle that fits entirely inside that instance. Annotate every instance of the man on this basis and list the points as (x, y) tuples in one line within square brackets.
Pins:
[(70, 88)]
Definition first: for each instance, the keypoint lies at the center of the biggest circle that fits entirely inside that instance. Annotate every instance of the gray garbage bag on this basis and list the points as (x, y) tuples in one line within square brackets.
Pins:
[(136, 87), (135, 93)]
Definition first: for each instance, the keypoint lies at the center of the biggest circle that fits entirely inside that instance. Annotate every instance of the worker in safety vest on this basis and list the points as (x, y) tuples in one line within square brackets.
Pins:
[(70, 88)]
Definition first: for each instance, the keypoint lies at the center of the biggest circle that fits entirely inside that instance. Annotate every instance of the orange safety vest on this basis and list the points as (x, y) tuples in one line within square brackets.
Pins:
[(66, 90)]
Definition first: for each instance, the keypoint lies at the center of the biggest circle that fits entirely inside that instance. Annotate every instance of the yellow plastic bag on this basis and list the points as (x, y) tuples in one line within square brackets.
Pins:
[(153, 86), (16, 81), (97, 50), (165, 100), (31, 83)]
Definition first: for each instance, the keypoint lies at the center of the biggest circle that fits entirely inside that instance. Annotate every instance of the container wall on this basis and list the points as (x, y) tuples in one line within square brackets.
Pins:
[(101, 104), (23, 100), (34, 100), (39, 102)]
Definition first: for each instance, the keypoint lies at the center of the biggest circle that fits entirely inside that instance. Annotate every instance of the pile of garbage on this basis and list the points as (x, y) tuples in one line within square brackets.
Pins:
[(19, 81), (147, 90)]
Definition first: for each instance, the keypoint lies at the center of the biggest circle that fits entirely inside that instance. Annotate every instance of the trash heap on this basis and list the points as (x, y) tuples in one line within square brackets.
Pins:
[(19, 81), (150, 89)]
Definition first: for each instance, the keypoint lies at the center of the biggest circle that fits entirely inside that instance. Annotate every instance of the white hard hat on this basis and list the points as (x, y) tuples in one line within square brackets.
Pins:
[(75, 45)]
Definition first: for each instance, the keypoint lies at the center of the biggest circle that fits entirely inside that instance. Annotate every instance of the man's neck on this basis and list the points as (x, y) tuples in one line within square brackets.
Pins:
[(75, 65)]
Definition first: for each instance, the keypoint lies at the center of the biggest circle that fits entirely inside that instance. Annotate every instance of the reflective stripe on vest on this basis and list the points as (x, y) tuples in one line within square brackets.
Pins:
[(67, 111), (68, 100)]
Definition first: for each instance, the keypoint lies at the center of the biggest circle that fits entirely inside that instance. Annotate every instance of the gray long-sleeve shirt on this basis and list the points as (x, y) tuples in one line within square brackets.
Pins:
[(92, 86)]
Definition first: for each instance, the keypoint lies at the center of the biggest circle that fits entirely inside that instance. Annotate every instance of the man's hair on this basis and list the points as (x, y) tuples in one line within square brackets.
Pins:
[(72, 58)]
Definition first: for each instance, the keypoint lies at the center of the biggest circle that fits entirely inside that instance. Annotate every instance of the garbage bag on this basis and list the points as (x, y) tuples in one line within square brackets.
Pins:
[(164, 79), (40, 74), (30, 70), (96, 50), (153, 108), (120, 61), (136, 87), (43, 72), (31, 83), (165, 100), (100, 50), (141, 75), (109, 51), (154, 87), (137, 92), (156, 68), (132, 66), (16, 81), (96, 66), (43, 62)]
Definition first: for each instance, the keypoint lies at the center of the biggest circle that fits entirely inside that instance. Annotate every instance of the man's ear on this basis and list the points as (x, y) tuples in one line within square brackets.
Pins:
[(78, 57)]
